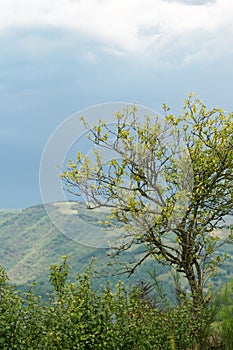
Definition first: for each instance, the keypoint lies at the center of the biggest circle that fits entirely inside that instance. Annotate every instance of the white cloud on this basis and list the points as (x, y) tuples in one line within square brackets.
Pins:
[(160, 27)]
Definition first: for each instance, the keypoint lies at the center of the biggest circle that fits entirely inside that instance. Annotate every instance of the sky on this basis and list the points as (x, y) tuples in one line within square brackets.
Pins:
[(60, 57)]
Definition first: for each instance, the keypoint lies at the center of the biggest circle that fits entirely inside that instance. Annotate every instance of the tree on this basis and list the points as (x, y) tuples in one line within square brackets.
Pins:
[(171, 184)]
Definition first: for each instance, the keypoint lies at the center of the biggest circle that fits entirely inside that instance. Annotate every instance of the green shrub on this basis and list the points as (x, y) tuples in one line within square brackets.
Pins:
[(80, 317), (225, 315)]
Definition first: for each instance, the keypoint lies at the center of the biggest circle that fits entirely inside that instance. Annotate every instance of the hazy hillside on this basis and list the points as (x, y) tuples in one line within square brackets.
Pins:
[(30, 243)]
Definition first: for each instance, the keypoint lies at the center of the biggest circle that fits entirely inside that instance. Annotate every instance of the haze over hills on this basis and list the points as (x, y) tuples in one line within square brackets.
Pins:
[(30, 243)]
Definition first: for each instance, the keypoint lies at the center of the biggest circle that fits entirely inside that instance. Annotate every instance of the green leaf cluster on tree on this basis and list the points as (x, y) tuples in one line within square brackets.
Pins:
[(170, 184)]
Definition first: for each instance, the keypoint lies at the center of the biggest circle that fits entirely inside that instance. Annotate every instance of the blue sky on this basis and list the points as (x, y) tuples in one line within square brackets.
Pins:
[(58, 57)]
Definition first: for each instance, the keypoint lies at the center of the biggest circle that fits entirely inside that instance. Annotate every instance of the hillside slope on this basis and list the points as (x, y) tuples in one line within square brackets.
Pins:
[(30, 243)]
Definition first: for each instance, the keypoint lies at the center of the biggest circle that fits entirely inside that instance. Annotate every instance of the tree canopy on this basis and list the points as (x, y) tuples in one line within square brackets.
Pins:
[(170, 182)]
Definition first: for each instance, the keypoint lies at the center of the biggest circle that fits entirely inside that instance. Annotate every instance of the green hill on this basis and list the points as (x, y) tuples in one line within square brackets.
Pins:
[(30, 243)]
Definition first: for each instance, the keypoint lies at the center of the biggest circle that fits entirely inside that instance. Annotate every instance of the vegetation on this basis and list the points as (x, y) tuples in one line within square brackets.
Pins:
[(170, 184), (224, 319), (79, 317)]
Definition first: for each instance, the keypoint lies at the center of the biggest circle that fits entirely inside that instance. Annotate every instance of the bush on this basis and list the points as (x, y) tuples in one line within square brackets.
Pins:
[(225, 315), (79, 317)]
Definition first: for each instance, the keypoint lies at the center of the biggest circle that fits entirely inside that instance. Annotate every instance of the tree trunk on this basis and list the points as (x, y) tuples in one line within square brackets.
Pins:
[(196, 289)]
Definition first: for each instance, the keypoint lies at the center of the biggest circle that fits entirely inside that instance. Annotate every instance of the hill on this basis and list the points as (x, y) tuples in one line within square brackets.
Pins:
[(30, 243)]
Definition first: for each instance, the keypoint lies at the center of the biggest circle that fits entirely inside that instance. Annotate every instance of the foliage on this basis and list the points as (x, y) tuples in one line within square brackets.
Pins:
[(224, 321), (79, 317), (171, 184)]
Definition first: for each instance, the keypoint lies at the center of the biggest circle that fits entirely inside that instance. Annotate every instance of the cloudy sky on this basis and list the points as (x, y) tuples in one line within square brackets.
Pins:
[(61, 56)]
